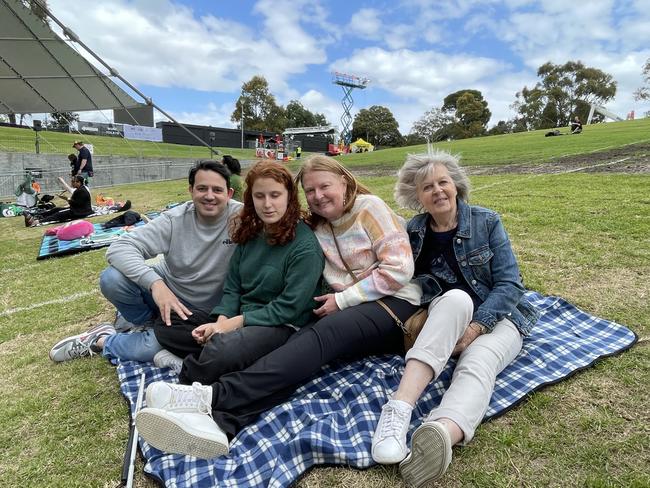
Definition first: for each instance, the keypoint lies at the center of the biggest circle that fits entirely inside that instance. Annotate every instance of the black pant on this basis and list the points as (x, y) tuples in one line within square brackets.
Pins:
[(365, 329), (59, 214), (224, 353)]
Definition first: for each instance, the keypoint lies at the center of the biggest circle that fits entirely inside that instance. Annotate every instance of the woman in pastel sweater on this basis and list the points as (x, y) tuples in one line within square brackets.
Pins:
[(374, 245)]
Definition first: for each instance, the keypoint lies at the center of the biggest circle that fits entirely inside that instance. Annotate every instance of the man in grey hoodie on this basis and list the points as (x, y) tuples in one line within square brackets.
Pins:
[(196, 248)]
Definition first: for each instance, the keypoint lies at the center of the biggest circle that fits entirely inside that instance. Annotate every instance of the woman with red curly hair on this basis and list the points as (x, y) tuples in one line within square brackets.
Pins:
[(273, 276)]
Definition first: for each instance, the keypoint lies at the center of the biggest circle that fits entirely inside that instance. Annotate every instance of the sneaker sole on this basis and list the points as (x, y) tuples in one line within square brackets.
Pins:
[(165, 434), (420, 467)]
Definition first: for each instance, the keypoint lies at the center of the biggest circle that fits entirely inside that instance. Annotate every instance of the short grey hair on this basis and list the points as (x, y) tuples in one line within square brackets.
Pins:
[(418, 166)]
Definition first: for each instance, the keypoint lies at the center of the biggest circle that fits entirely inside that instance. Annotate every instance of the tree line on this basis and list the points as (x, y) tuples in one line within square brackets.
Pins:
[(562, 92)]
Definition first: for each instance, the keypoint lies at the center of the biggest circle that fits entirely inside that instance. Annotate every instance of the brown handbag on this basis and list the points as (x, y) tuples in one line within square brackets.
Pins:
[(413, 325)]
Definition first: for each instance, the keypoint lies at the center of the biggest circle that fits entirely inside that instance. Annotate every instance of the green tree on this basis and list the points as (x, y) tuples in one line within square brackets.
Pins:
[(62, 120), (563, 92), (643, 93), (299, 116), (378, 126), (259, 108), (471, 112), (432, 124)]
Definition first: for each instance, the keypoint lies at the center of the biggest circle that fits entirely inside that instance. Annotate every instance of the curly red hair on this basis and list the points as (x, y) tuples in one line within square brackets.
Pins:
[(248, 225)]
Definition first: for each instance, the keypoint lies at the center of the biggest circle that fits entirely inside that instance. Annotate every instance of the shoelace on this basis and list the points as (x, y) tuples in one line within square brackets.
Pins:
[(192, 396), (79, 349), (393, 422)]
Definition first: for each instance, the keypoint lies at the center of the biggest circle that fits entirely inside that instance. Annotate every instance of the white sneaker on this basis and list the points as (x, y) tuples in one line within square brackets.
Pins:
[(430, 455), (389, 440), (180, 398), (192, 434), (167, 359)]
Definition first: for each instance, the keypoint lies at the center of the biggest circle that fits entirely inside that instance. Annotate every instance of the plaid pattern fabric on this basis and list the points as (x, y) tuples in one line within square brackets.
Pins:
[(331, 419)]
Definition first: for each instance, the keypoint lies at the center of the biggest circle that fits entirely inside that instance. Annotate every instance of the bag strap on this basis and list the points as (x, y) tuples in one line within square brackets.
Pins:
[(399, 323), (338, 249)]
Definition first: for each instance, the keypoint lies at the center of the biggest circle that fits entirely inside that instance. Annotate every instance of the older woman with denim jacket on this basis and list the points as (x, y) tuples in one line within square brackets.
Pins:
[(477, 310)]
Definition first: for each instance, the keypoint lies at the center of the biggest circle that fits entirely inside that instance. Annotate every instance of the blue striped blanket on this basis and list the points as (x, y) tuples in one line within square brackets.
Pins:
[(331, 419)]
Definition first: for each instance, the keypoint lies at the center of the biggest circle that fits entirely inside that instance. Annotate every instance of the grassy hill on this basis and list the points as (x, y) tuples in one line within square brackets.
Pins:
[(522, 147), (23, 140)]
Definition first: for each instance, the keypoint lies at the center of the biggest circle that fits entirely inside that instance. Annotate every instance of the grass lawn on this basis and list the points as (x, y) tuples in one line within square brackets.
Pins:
[(522, 147), (581, 236), (23, 140)]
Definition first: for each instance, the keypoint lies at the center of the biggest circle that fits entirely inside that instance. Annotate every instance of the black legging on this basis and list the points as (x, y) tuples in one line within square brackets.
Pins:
[(365, 329)]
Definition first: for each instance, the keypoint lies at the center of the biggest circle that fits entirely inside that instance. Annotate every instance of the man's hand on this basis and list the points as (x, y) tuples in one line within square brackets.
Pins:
[(203, 333), (167, 301), (329, 305), (474, 329)]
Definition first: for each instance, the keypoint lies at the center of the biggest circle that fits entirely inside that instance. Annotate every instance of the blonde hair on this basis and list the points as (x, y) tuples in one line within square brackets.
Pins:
[(325, 163), (418, 166)]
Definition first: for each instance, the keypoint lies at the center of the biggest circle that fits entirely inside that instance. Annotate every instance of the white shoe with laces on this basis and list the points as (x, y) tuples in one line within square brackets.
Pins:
[(180, 398), (389, 440), (178, 420), (192, 434)]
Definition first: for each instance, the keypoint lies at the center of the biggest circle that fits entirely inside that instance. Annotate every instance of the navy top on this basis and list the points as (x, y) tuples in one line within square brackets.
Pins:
[(84, 153), (438, 259)]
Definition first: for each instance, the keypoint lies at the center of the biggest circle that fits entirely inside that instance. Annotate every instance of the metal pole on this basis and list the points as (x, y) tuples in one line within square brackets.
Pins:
[(242, 125), (113, 72)]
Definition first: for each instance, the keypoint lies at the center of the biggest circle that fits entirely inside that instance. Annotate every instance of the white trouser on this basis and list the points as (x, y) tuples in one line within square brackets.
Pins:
[(467, 398)]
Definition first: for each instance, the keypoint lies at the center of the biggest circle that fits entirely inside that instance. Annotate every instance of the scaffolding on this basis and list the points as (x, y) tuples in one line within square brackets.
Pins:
[(348, 83)]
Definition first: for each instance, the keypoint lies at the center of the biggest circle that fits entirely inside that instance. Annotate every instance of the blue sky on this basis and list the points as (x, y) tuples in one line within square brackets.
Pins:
[(192, 56)]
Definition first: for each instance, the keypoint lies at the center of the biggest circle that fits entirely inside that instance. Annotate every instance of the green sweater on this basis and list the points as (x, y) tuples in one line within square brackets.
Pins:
[(274, 285)]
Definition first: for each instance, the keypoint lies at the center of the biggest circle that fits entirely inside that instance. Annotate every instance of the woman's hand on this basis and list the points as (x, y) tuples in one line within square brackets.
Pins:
[(474, 329), (329, 305), (203, 333)]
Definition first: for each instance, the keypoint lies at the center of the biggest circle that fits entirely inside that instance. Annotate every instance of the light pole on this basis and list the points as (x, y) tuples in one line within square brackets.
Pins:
[(242, 125)]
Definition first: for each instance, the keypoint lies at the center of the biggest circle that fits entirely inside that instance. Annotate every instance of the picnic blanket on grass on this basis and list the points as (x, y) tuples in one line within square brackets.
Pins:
[(53, 247), (330, 420)]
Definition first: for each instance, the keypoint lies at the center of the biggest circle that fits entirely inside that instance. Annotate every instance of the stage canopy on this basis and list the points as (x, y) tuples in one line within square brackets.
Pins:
[(40, 72)]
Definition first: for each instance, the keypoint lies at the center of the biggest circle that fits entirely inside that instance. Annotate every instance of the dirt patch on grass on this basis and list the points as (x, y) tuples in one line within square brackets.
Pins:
[(630, 159)]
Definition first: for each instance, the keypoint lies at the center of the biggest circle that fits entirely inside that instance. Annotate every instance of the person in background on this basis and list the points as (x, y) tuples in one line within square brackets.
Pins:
[(235, 176), (576, 125), (74, 164), (352, 323), (84, 162), (477, 310), (79, 206)]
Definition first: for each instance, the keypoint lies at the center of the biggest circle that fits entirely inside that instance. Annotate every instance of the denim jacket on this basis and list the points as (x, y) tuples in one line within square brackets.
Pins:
[(487, 263)]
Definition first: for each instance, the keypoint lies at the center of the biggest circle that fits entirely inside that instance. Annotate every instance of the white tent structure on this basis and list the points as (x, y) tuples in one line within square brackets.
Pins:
[(40, 72)]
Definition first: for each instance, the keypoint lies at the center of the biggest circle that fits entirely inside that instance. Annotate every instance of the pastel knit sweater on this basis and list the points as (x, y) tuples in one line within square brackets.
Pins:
[(375, 245)]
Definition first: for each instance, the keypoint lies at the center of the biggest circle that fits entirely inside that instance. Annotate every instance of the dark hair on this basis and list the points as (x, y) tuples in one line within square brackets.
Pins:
[(232, 164), (72, 158), (248, 224), (79, 179), (209, 165)]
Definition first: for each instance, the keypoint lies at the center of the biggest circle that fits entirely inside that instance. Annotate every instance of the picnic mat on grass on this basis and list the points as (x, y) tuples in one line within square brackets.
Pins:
[(331, 419), (53, 247)]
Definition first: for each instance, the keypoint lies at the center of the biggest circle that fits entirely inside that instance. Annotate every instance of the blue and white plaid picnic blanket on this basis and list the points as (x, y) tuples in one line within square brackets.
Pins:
[(331, 419)]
